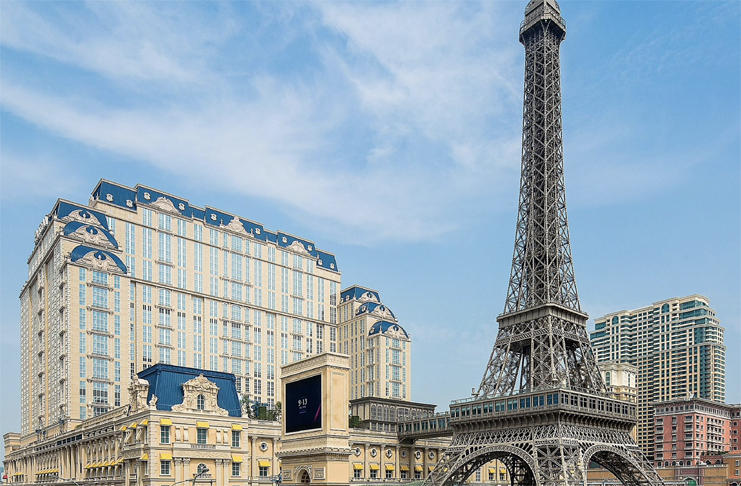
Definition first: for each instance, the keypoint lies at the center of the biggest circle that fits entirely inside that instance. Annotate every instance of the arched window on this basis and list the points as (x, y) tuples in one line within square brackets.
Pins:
[(201, 402), (202, 467)]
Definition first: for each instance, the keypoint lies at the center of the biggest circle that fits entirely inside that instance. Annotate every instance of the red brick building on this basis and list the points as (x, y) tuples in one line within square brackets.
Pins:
[(686, 431)]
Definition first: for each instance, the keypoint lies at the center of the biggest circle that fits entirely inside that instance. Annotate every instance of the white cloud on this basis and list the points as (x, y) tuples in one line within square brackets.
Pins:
[(119, 40), (420, 78)]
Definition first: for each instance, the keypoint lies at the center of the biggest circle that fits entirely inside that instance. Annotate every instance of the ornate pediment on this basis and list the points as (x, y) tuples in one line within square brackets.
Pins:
[(368, 297), (164, 204), (101, 262), (382, 312), (298, 247), (90, 235), (82, 216), (236, 226), (200, 395)]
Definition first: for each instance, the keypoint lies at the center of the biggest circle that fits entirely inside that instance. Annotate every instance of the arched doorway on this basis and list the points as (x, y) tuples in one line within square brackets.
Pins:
[(305, 478)]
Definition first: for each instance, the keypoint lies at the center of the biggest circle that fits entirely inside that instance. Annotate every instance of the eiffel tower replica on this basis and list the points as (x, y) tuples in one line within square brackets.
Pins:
[(542, 408)]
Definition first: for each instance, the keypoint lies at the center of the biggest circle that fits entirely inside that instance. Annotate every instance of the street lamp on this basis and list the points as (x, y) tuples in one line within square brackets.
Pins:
[(195, 476)]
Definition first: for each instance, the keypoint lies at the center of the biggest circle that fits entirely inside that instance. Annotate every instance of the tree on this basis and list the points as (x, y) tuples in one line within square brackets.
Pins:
[(354, 422)]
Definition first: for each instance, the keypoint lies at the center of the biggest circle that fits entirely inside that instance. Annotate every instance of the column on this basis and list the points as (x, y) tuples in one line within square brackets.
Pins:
[(177, 465), (186, 468), (397, 471), (366, 462), (253, 458), (218, 473), (425, 472)]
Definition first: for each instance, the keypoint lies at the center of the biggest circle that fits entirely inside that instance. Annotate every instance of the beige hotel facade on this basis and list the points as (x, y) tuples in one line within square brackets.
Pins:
[(138, 276)]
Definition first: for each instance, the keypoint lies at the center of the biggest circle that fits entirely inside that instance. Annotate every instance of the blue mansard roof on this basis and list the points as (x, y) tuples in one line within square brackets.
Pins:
[(128, 198), (377, 309), (165, 381), (381, 327), (357, 292)]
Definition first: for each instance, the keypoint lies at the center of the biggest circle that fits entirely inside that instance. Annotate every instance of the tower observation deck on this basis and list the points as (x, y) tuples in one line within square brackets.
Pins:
[(542, 408)]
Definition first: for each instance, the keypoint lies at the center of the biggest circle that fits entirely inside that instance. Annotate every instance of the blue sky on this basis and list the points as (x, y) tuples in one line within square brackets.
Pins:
[(389, 133)]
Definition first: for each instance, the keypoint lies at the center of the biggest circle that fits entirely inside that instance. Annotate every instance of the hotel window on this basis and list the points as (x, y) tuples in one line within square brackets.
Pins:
[(389, 473), (165, 468), (235, 469), (263, 471), (235, 438), (357, 474), (201, 402), (374, 474), (164, 434), (202, 434)]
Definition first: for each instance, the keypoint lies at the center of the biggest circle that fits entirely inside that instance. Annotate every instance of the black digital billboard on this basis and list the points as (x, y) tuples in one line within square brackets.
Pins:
[(303, 404)]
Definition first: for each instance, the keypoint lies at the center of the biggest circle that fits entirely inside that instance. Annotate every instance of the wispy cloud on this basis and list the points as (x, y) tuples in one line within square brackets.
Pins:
[(122, 41), (405, 112), (423, 76)]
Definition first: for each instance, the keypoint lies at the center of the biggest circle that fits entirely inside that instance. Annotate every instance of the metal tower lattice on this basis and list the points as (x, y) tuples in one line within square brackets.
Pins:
[(542, 408)]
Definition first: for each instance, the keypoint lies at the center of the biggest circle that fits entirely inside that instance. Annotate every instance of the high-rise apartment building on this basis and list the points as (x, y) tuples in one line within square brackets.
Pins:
[(380, 349), (138, 276), (677, 348)]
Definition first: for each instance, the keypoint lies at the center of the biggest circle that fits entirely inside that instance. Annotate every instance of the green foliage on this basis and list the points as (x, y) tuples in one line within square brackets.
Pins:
[(260, 411), (354, 422)]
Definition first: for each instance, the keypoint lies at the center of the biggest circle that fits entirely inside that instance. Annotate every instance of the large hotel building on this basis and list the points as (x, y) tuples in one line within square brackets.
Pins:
[(677, 348), (138, 276)]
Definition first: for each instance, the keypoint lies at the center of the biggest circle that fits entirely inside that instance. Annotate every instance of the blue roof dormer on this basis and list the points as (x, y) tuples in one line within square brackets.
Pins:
[(67, 211), (115, 194), (162, 201), (377, 310), (326, 260), (386, 327), (166, 383), (359, 293), (297, 245)]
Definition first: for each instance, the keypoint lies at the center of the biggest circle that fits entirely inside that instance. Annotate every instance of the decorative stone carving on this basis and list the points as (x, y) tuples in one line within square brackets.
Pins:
[(92, 236), (236, 226), (164, 204), (368, 297), (99, 261), (200, 385), (81, 216), (138, 391), (298, 247), (382, 312), (153, 402)]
